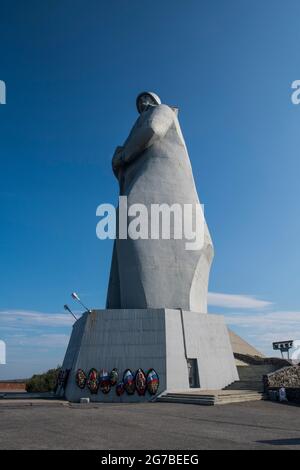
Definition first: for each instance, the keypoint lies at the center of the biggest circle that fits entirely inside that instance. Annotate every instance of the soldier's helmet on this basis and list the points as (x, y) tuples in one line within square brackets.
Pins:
[(145, 99)]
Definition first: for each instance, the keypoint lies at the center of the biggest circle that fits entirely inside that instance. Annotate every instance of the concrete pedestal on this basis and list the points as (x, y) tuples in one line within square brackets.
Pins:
[(162, 339)]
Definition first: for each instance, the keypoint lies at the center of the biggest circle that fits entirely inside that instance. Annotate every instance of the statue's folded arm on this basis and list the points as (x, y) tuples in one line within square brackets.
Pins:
[(154, 127)]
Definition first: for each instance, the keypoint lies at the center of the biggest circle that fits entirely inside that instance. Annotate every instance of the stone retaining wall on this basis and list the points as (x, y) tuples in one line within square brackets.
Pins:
[(288, 377)]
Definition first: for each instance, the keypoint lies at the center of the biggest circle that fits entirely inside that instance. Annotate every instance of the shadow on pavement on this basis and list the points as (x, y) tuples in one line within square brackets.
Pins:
[(282, 442)]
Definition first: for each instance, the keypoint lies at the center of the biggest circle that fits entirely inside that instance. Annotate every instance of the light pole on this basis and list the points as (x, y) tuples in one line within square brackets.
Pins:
[(67, 308), (76, 297)]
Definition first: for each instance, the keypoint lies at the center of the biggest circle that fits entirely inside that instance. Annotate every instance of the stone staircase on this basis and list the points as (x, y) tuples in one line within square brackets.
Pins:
[(253, 385), (211, 397), (251, 378), (248, 388)]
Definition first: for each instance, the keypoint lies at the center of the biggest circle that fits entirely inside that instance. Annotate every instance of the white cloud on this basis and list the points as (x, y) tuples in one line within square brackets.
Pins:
[(262, 329), (236, 301), (36, 341), (41, 341), (256, 321), (266, 320), (21, 318)]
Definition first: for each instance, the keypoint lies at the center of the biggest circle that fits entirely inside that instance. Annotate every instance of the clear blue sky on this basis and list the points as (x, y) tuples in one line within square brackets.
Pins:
[(73, 69)]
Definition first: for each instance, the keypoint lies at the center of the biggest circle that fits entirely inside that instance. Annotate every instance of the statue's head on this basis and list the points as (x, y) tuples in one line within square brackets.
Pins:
[(146, 99)]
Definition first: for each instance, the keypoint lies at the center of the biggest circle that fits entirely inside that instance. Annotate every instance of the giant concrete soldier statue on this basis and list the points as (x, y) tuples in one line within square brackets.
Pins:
[(156, 316), (153, 167)]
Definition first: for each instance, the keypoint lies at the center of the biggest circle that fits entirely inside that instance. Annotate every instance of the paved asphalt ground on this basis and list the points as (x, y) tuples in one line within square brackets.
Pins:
[(46, 425)]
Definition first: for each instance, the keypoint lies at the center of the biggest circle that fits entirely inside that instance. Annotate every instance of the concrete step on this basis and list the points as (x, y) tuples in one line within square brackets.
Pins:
[(209, 399), (211, 394), (188, 401), (191, 395), (246, 385), (240, 398)]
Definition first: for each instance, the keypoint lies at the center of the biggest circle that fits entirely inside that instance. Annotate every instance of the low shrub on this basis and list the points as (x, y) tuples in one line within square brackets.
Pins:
[(46, 382)]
